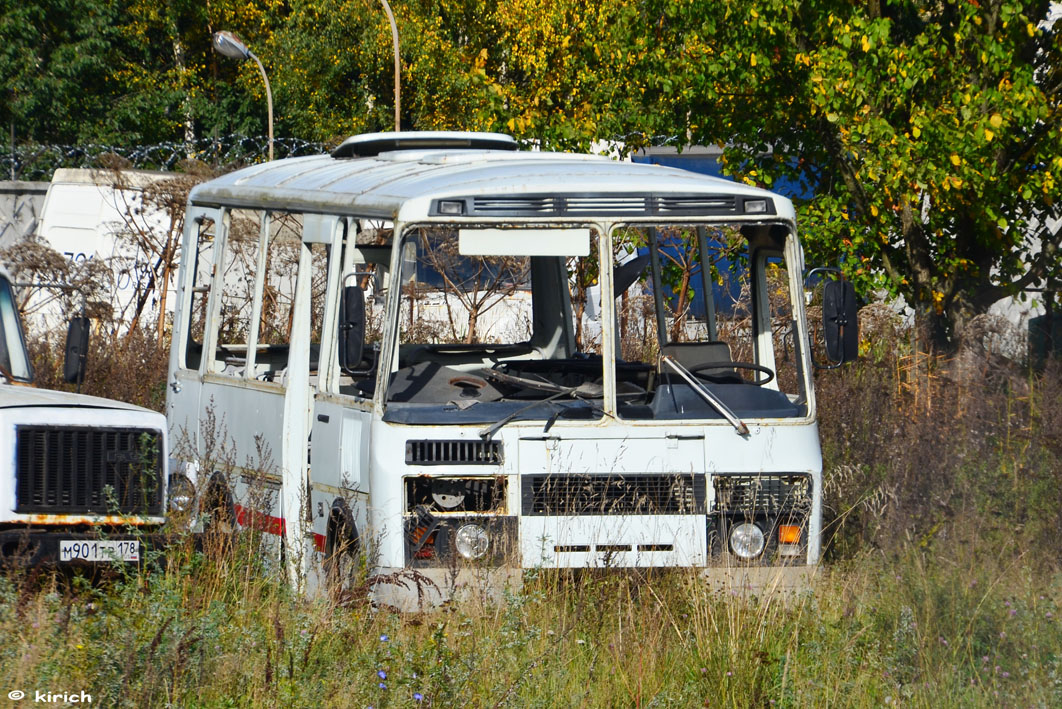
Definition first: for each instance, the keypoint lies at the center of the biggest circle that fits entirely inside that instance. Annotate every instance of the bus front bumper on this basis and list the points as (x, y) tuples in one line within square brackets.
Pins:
[(418, 590)]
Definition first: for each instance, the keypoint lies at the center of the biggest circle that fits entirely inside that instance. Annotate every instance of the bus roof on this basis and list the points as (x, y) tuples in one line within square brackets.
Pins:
[(409, 185)]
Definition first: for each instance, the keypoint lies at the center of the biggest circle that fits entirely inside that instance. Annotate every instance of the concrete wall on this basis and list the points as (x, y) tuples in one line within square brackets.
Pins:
[(20, 209)]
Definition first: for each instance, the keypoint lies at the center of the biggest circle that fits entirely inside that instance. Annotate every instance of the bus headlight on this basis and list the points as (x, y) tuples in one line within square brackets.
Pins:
[(181, 493), (747, 540), (471, 541)]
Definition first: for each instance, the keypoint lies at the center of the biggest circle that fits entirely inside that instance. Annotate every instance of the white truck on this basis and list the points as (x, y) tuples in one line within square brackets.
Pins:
[(82, 479)]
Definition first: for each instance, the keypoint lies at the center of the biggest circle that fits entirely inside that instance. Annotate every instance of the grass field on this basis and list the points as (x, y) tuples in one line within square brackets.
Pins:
[(941, 587)]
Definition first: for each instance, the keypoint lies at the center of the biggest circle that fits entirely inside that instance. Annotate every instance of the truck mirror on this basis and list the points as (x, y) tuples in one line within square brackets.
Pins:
[(77, 342), (840, 321), (351, 327)]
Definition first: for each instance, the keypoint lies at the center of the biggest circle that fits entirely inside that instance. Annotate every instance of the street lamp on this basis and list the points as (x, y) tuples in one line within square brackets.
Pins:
[(398, 82), (226, 44)]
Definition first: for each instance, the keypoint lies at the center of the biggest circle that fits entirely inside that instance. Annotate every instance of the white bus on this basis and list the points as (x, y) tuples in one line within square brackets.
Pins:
[(449, 361)]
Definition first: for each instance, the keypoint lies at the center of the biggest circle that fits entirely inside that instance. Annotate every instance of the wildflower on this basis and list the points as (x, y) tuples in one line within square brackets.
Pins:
[(1048, 615), (1006, 674), (383, 686), (304, 633), (729, 673), (418, 697), (943, 641), (384, 638), (1013, 612), (381, 674)]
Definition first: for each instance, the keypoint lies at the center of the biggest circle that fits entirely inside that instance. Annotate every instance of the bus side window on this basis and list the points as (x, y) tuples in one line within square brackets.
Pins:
[(236, 277), (202, 273), (319, 259), (278, 296)]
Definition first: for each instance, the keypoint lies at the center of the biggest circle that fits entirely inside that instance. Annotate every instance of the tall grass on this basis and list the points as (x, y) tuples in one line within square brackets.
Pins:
[(941, 588), (932, 626)]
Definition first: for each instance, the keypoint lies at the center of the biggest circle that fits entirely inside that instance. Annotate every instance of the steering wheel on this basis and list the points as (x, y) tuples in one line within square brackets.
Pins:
[(696, 371)]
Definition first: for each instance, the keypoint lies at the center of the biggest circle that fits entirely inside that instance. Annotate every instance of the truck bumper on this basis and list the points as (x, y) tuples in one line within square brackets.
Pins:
[(28, 547)]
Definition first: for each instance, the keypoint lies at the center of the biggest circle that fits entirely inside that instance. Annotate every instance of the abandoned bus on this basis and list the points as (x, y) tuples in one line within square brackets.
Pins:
[(445, 359)]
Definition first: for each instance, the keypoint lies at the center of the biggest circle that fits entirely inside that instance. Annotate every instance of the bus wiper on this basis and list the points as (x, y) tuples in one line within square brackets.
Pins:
[(586, 390), (488, 433), (715, 402)]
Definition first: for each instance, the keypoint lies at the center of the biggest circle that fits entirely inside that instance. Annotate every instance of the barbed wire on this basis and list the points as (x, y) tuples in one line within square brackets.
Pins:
[(31, 162)]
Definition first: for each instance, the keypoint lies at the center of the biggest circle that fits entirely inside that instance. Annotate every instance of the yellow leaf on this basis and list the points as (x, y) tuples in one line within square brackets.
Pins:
[(1031, 29), (866, 44), (873, 211), (955, 160), (916, 131), (989, 135), (996, 120), (752, 60), (512, 124)]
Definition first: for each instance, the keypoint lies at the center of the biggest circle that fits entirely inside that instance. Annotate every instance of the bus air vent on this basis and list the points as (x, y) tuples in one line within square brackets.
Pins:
[(695, 204), (455, 452), (517, 206), (607, 205)]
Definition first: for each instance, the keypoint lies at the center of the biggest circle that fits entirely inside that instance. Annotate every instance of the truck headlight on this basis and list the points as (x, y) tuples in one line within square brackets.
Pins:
[(182, 493), (471, 541), (747, 540)]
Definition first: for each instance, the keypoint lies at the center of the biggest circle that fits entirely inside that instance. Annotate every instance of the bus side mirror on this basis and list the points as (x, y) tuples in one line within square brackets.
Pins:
[(840, 321), (77, 342), (351, 327)]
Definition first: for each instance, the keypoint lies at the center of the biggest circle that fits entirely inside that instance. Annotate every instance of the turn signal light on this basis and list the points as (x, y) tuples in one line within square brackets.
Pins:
[(788, 534)]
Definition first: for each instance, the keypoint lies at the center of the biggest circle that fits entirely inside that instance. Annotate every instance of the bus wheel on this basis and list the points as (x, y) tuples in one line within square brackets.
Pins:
[(342, 548), (219, 519)]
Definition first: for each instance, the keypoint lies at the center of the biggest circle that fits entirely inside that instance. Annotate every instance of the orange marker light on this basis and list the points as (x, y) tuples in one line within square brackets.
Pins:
[(788, 534)]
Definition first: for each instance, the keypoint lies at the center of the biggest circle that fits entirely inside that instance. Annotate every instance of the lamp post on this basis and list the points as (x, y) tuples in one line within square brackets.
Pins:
[(226, 44), (398, 81)]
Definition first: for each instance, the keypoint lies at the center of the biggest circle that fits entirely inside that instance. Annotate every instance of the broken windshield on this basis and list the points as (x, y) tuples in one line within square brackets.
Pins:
[(712, 308), (492, 321)]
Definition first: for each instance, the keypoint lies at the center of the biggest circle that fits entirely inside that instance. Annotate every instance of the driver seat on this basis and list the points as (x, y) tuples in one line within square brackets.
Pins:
[(693, 354)]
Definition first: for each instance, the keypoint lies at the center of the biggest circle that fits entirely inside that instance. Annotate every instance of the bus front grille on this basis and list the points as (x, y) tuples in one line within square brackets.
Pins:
[(88, 470), (613, 494), (762, 494)]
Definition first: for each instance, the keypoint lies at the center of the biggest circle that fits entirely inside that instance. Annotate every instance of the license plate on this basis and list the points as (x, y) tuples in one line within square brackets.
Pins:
[(99, 550)]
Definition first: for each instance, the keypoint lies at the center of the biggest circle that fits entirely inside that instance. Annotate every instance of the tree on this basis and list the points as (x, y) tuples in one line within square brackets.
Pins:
[(929, 133), (54, 57), (538, 69)]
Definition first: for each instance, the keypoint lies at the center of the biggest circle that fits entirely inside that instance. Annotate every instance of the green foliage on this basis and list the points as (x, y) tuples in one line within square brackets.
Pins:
[(928, 133)]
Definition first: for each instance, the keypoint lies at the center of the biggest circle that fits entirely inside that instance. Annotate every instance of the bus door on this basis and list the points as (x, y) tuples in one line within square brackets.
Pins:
[(343, 393)]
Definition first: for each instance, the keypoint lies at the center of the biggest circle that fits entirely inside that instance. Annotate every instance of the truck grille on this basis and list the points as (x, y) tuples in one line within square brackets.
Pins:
[(82, 469), (613, 494)]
